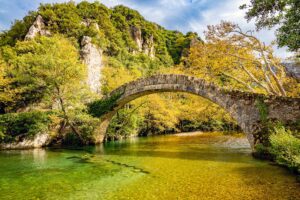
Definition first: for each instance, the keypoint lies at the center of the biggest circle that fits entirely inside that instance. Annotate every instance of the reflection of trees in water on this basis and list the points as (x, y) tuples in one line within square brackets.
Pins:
[(38, 155)]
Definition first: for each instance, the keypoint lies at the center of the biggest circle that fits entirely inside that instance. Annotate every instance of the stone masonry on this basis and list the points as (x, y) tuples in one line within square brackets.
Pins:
[(242, 106)]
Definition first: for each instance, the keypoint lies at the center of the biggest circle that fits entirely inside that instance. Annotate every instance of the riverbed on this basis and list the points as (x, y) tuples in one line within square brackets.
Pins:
[(182, 166)]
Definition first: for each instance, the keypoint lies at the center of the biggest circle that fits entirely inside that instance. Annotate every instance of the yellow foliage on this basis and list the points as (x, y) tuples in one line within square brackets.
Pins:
[(114, 77), (234, 59)]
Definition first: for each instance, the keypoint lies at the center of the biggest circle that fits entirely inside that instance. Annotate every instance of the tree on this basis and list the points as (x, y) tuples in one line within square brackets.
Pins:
[(285, 13), (51, 64), (6, 93), (231, 54)]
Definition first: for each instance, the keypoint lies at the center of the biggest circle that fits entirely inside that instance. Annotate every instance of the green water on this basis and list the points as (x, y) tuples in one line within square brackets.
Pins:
[(193, 166)]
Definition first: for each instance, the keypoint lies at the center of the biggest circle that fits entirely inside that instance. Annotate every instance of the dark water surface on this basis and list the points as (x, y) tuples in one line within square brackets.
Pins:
[(184, 166)]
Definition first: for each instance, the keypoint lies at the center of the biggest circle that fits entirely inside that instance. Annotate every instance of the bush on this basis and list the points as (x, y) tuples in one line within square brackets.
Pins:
[(285, 148), (86, 126), (125, 123), (102, 106), (17, 126)]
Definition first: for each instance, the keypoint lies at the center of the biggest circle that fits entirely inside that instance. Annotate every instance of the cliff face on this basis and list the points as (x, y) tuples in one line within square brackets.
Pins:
[(92, 57), (144, 44), (136, 34), (148, 47), (37, 28)]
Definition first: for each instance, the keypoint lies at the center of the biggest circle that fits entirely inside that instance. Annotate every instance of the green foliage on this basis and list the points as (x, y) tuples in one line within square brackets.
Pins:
[(42, 69), (263, 109), (125, 123), (86, 125), (284, 13), (285, 148), (16, 126), (100, 107), (114, 35)]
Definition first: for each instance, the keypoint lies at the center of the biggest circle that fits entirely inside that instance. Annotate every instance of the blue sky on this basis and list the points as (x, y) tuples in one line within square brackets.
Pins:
[(182, 15)]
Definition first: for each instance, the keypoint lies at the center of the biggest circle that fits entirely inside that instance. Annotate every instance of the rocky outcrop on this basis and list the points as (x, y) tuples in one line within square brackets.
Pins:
[(92, 57), (40, 140), (90, 23), (293, 70), (144, 44), (136, 34), (37, 28), (148, 47)]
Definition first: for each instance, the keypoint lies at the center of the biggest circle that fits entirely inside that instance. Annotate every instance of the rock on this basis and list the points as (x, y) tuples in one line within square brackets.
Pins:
[(92, 57), (89, 23), (37, 28), (40, 140), (137, 37), (293, 70), (148, 47), (194, 41), (145, 45)]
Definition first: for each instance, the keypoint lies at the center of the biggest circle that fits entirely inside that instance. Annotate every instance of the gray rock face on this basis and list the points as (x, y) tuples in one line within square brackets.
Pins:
[(137, 37), (40, 140), (92, 57), (90, 23), (37, 28), (145, 45), (293, 70), (148, 47)]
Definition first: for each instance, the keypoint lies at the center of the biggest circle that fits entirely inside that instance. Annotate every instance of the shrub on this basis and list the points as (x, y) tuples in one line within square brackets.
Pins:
[(85, 125), (102, 106), (285, 148), (17, 126)]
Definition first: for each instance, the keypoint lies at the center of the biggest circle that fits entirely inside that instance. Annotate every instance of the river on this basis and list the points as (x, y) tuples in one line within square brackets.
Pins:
[(182, 166)]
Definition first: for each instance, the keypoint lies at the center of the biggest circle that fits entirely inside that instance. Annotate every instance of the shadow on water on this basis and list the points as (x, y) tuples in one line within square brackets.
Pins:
[(87, 160), (136, 169)]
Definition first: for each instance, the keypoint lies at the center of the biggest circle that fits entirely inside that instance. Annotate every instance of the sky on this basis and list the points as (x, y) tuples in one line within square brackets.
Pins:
[(182, 15)]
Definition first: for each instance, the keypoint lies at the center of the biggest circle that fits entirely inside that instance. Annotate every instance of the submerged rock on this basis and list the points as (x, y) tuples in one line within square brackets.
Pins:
[(39, 140), (37, 28), (92, 57)]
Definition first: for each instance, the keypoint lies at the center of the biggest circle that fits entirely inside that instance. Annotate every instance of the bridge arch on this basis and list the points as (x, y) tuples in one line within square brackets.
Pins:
[(242, 106)]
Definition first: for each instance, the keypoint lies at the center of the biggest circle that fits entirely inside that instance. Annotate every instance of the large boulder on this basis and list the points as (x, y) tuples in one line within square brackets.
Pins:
[(38, 141)]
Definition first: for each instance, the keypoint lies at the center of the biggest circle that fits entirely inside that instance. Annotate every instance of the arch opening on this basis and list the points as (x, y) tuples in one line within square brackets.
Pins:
[(241, 106), (173, 83)]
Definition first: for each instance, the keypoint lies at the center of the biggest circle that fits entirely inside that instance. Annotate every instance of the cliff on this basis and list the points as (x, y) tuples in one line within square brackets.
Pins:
[(92, 57), (37, 28)]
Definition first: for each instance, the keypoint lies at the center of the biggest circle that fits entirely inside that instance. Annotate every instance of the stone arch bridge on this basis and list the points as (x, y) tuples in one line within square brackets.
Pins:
[(246, 108)]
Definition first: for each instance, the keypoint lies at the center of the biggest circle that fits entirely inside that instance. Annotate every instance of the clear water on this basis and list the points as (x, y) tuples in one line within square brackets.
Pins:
[(192, 166)]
